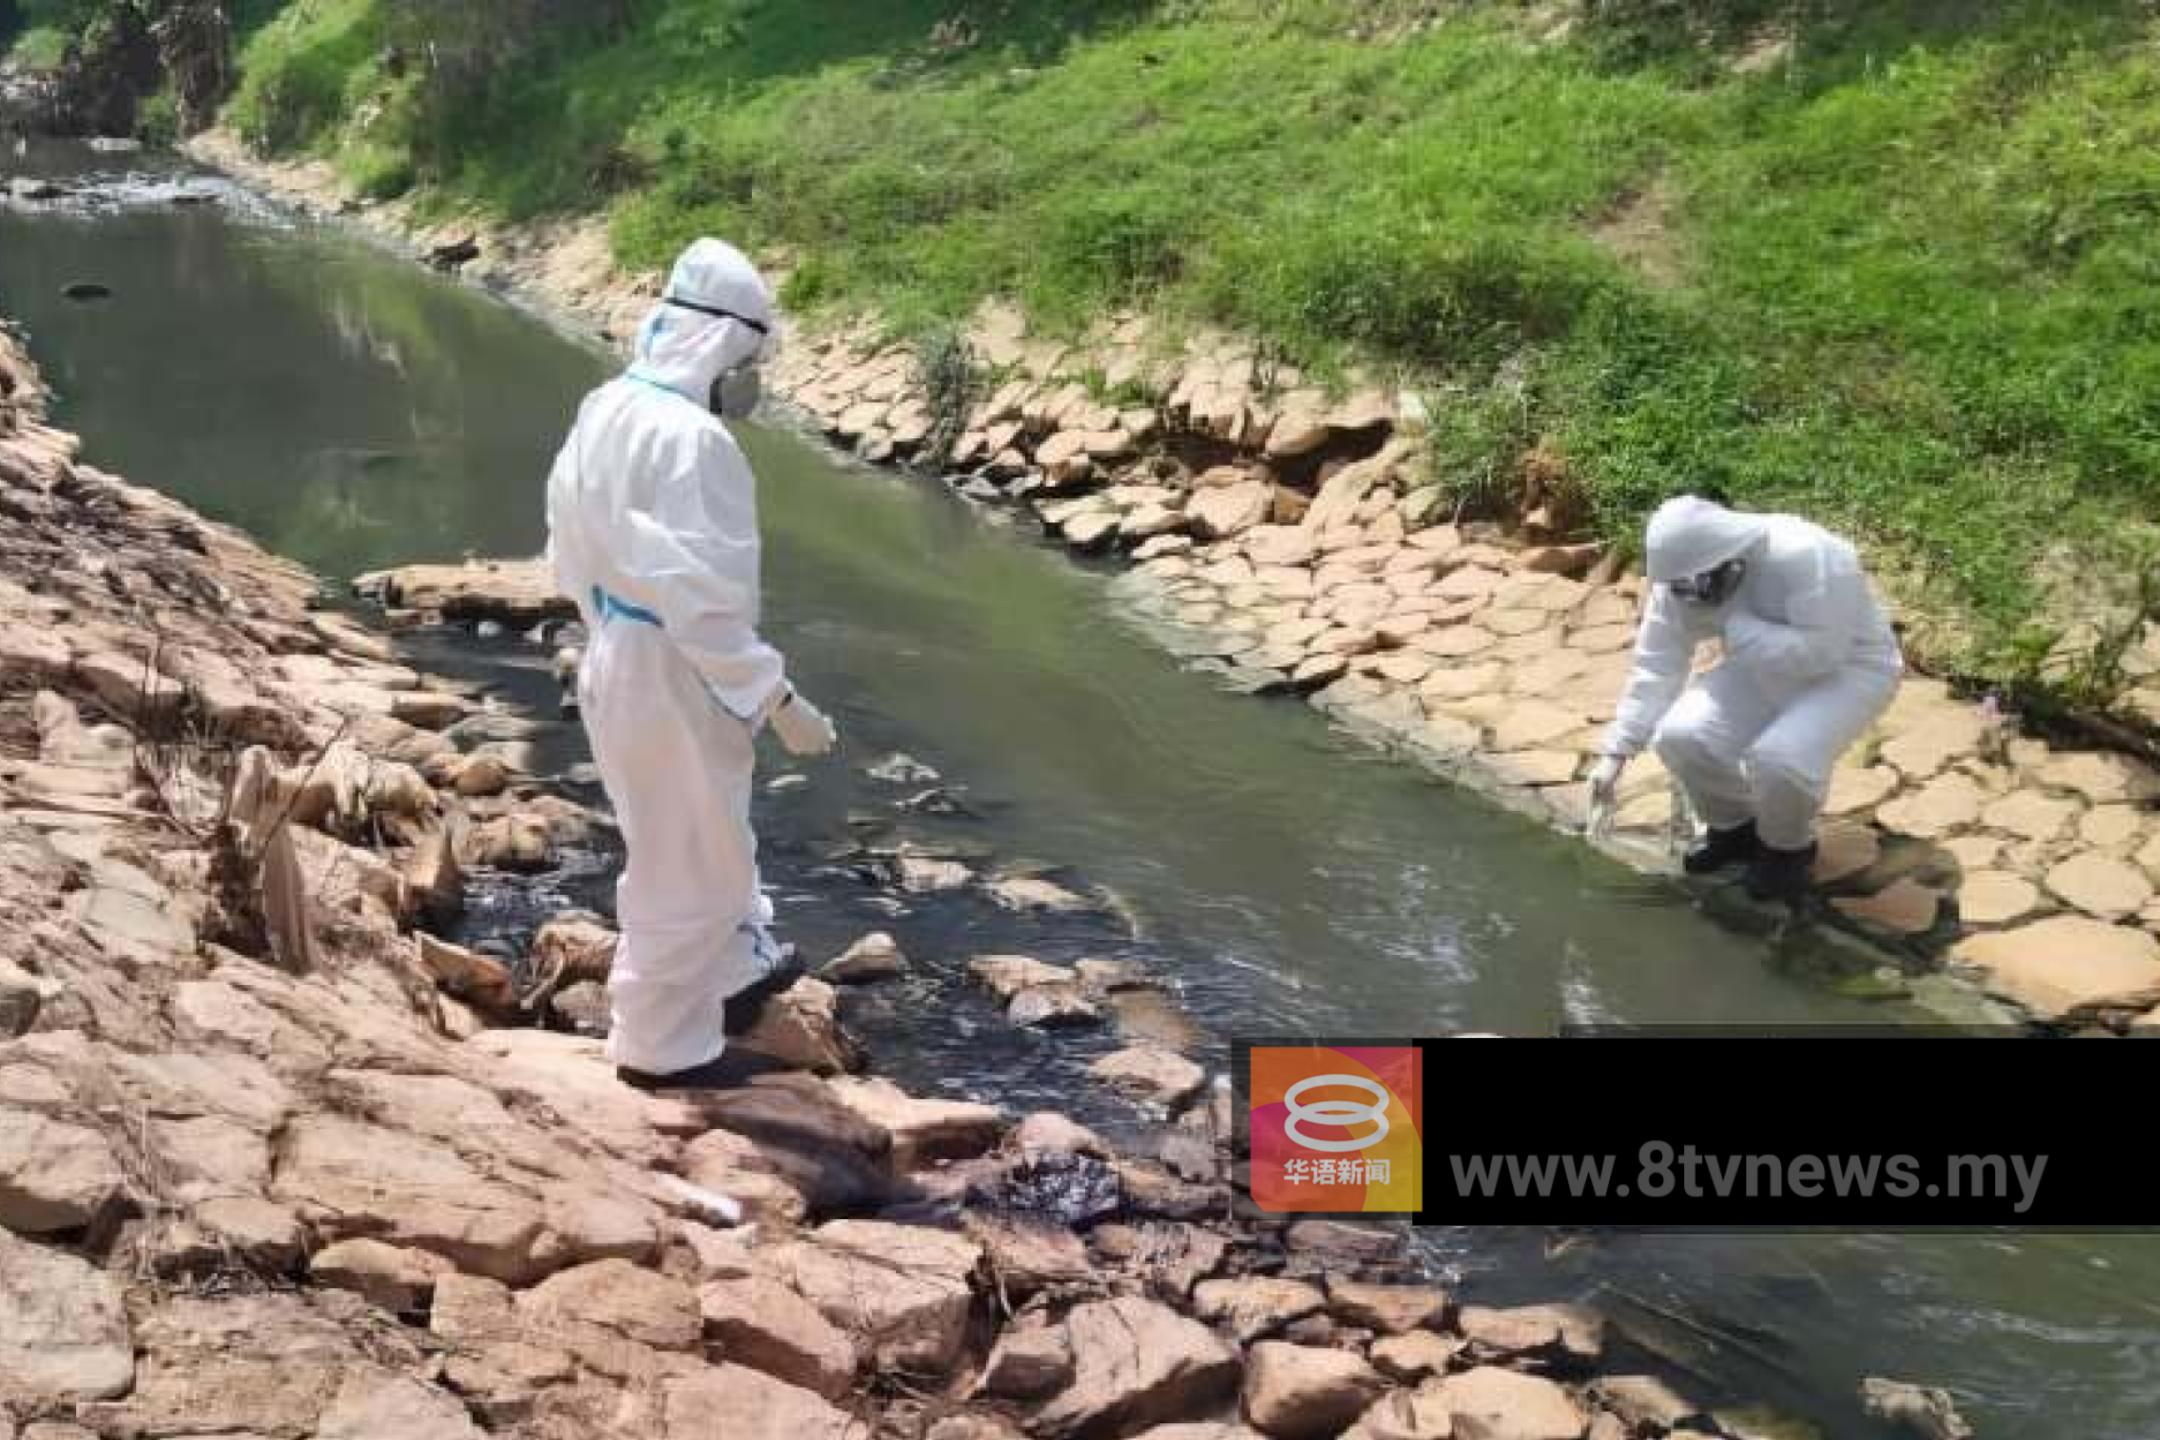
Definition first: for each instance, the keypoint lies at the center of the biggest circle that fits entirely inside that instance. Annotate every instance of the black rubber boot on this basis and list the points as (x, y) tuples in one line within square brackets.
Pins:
[(747, 1004), (733, 1070), (1720, 848), (1781, 874)]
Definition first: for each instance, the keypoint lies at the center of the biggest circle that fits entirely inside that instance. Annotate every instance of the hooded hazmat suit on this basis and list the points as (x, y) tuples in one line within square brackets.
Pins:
[(653, 530), (1809, 662)]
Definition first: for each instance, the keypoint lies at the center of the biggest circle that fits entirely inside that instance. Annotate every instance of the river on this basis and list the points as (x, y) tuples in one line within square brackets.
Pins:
[(353, 411)]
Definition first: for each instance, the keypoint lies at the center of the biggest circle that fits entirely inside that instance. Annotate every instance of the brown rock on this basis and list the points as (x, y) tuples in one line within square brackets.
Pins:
[(1048, 1133), (438, 710), (759, 1322), (1417, 1355), (901, 1292), (133, 690), (1216, 512), (1027, 1256), (1033, 894), (801, 1027), (922, 1130), (1406, 1415), (1135, 1363), (354, 1178), (1919, 1409), (1347, 1242), (1008, 975), (1255, 1305), (1854, 791), (2100, 885), (1904, 908), (374, 1403), (1643, 1402), (1845, 850), (2100, 778), (433, 880), (1533, 725), (1995, 897), (874, 957), (1544, 1332), (478, 980), (55, 1176), (1302, 1393), (721, 1162), (518, 842), (1159, 1076), (1387, 1309), (400, 1281), (835, 1158), (572, 948), (64, 1333), (1495, 1404), (2066, 967), (1028, 1363), (640, 1305), (2030, 815), (1061, 1005), (1949, 802), (519, 593), (2105, 827), (736, 1400)]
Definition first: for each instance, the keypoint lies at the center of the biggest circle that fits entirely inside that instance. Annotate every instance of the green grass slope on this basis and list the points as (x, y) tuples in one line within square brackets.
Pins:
[(1901, 273)]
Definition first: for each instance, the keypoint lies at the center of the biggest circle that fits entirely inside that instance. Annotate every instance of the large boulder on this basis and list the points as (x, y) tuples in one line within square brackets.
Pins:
[(55, 1176), (1387, 1309), (922, 1130), (1489, 1403), (63, 1328), (351, 1178), (757, 1321), (1217, 512), (1561, 1334), (835, 1158), (902, 1291), (518, 593), (2066, 967), (1302, 1392), (398, 1280), (1136, 1363), (1028, 1362), (736, 1400), (800, 1027), (1251, 1306)]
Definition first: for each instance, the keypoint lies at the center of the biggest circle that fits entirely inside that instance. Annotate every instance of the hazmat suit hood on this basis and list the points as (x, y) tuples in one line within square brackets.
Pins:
[(715, 316), (1690, 536)]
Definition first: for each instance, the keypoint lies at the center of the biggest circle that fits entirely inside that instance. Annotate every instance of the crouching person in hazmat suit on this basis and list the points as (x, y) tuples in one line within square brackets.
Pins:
[(1809, 662), (653, 530)]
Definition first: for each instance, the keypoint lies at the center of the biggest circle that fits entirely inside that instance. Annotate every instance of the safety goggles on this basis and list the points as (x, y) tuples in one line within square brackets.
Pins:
[(1711, 587), (717, 313)]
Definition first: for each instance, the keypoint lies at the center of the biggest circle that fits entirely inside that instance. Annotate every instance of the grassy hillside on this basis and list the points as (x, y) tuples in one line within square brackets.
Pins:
[(1902, 272)]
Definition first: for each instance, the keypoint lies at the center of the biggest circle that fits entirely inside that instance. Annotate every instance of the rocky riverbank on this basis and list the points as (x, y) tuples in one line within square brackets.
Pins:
[(276, 1161), (1293, 540)]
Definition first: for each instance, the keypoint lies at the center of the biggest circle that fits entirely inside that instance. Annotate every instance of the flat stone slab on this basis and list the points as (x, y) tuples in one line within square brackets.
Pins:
[(2066, 966)]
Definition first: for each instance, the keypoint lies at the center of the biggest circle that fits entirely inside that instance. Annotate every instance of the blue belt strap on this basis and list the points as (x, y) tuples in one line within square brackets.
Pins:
[(612, 607)]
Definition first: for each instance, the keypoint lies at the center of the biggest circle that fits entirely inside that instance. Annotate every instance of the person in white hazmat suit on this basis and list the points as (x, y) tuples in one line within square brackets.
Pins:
[(1809, 661), (653, 530)]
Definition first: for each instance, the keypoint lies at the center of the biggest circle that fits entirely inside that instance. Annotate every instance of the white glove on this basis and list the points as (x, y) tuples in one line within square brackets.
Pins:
[(1604, 794), (802, 727)]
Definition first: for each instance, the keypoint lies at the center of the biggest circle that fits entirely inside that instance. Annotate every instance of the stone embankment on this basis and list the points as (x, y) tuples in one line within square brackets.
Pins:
[(1298, 541), (276, 1162)]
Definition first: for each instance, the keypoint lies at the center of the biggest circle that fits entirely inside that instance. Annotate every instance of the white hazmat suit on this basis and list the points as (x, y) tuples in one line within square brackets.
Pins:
[(653, 530), (1809, 661)]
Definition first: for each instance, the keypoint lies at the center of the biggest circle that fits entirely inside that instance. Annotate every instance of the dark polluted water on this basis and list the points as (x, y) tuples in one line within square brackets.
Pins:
[(353, 411)]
